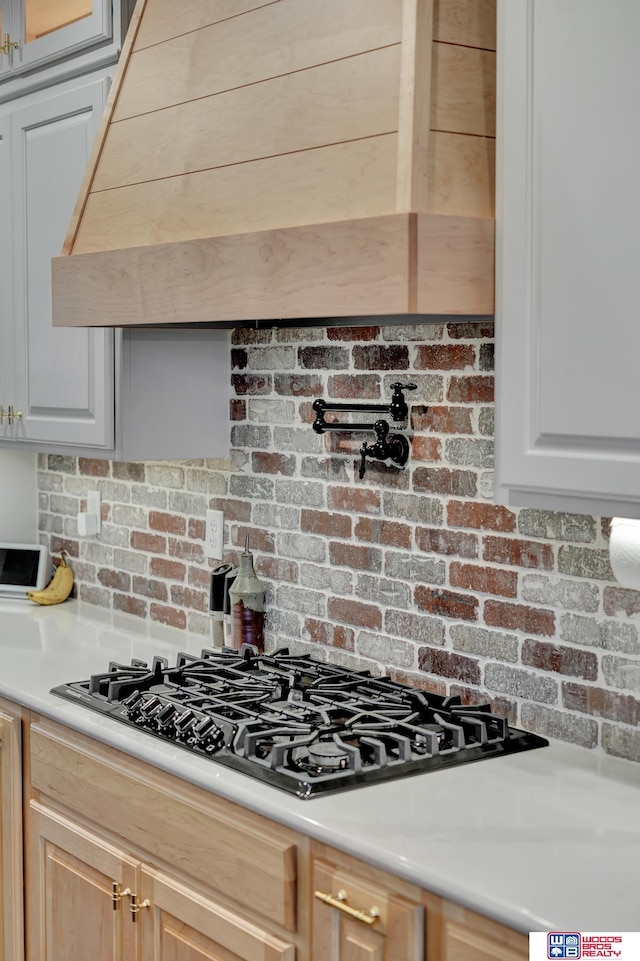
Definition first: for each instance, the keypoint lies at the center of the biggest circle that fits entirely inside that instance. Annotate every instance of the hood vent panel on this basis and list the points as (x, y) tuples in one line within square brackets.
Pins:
[(292, 159)]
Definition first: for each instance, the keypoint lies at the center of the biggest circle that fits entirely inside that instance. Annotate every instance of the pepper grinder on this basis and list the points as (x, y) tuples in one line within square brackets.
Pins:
[(246, 596), (216, 603)]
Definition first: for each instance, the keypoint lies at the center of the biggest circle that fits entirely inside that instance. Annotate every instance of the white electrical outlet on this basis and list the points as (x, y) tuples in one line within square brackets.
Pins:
[(94, 507), (90, 521), (214, 535)]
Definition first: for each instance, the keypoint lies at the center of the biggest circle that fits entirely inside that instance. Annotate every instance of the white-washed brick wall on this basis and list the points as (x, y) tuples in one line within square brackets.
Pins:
[(417, 573)]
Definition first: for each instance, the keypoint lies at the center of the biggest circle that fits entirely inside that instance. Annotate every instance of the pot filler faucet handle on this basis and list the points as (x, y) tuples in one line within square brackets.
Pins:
[(387, 446), (398, 406)]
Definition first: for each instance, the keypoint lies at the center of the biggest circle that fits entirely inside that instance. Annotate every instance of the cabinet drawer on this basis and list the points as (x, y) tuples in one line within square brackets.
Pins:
[(245, 857), (455, 933), (354, 916), (462, 942)]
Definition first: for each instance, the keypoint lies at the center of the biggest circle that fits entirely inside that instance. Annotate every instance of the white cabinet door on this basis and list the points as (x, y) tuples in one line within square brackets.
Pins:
[(62, 378), (6, 270), (568, 403), (5, 27), (45, 30)]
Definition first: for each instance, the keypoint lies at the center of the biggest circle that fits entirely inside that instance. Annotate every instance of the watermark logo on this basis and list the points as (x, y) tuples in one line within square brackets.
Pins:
[(580, 945), (564, 944)]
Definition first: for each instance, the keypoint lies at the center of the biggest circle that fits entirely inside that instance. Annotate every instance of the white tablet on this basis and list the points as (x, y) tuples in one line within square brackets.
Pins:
[(23, 567)]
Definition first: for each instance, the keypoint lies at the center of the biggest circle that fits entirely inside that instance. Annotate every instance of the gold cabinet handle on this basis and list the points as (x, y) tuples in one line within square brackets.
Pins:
[(8, 44), (117, 895), (136, 906), (339, 902), (11, 415)]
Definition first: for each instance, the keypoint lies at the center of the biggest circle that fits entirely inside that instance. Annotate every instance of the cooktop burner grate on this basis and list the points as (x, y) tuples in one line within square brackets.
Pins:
[(299, 724)]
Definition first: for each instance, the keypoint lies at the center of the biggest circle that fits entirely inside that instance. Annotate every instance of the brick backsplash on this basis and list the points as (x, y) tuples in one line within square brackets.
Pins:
[(413, 572)]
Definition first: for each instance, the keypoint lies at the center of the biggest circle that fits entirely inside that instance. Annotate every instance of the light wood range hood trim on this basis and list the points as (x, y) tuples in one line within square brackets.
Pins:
[(421, 244), (400, 264)]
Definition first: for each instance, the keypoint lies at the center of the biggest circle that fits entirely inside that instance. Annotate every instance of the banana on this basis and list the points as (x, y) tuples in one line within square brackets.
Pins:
[(58, 588)]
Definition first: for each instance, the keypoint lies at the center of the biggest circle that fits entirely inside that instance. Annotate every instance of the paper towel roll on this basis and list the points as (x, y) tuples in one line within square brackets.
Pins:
[(624, 551)]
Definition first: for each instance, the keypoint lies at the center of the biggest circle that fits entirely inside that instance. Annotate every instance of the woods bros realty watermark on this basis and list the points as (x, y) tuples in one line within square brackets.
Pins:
[(560, 945)]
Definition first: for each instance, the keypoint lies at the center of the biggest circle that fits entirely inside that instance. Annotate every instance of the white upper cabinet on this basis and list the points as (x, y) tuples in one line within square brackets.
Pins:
[(568, 197), (148, 395), (5, 38), (59, 382), (38, 32)]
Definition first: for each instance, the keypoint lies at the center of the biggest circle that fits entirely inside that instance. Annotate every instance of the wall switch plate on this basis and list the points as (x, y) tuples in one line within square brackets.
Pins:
[(214, 535)]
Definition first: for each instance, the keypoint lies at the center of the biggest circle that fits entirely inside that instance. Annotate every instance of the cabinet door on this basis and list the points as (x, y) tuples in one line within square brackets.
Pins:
[(179, 924), (462, 943), (45, 31), (71, 911), (11, 913), (394, 934), (455, 933), (567, 425), (5, 27), (63, 378), (7, 326)]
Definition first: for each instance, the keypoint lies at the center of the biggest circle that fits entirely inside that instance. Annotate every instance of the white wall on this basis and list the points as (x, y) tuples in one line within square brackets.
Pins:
[(18, 497)]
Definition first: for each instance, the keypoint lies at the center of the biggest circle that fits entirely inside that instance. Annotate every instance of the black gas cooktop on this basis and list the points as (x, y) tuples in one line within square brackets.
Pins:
[(299, 724)]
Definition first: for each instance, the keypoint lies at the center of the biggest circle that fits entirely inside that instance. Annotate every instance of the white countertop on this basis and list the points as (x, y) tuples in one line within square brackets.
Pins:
[(544, 840)]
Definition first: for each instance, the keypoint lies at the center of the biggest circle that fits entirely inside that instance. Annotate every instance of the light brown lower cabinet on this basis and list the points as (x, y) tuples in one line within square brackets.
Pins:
[(91, 900), (126, 863), (11, 902), (456, 934), (75, 877), (360, 915), (178, 924)]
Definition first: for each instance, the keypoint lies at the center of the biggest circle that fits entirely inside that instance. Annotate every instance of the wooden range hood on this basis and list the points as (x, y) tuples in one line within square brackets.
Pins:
[(269, 160)]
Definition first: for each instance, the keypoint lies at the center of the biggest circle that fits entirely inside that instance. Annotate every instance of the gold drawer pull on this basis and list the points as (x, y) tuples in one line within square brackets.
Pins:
[(339, 902)]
